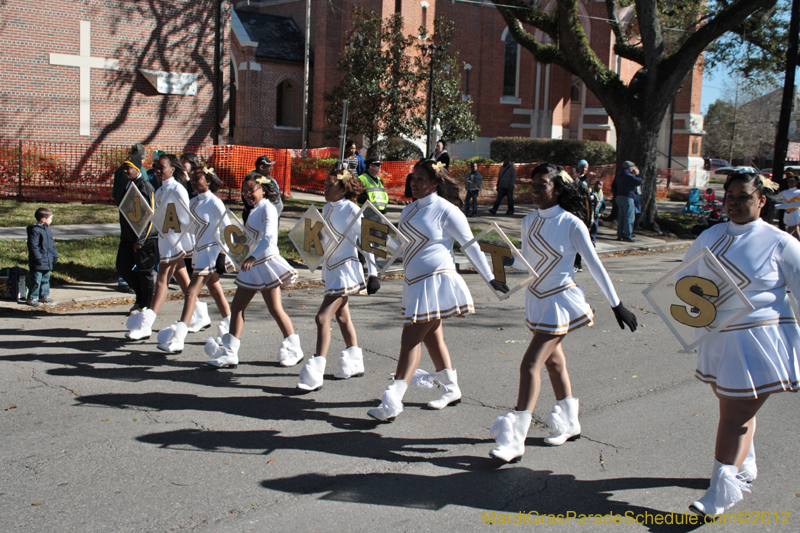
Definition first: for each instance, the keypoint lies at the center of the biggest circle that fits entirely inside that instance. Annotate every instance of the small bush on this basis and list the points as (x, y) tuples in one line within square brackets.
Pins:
[(395, 149), (559, 151)]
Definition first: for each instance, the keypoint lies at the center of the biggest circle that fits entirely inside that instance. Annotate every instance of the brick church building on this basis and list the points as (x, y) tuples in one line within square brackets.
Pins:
[(512, 94), (180, 73), (120, 72)]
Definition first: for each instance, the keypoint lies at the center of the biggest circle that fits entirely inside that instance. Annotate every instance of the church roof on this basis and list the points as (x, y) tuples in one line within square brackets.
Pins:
[(277, 37)]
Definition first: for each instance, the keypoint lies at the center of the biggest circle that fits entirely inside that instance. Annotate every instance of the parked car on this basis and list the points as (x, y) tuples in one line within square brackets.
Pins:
[(711, 164), (767, 173)]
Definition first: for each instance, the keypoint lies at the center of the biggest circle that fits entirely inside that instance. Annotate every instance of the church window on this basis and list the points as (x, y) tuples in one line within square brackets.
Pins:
[(510, 65), (285, 105)]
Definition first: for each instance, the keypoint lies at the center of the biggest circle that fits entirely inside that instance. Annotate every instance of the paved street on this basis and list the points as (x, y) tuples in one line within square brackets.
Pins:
[(102, 435)]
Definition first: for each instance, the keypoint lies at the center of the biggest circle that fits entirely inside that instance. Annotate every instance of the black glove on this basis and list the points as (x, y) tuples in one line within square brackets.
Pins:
[(373, 285), (502, 287), (625, 317), (508, 261)]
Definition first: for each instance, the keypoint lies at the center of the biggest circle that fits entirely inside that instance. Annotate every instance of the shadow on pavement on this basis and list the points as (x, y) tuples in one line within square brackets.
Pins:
[(505, 491)]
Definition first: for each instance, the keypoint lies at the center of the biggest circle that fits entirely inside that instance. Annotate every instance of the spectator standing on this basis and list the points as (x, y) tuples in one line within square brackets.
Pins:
[(42, 258), (152, 174), (375, 191), (590, 201), (473, 184), (440, 154), (506, 181), (624, 190), (353, 160)]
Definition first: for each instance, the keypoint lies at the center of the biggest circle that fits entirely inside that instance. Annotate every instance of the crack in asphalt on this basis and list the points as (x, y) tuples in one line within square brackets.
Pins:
[(526, 495)]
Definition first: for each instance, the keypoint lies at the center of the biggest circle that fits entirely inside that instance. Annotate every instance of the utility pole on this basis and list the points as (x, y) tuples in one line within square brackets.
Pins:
[(782, 132), (304, 129)]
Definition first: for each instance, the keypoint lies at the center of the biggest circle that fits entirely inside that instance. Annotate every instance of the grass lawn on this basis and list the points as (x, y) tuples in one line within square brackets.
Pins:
[(95, 259), (680, 225), (13, 213), (79, 260)]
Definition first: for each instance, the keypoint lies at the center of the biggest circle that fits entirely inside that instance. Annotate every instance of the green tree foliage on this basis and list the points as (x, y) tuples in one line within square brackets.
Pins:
[(457, 121), (756, 49), (386, 82), (718, 123), (378, 78), (665, 37)]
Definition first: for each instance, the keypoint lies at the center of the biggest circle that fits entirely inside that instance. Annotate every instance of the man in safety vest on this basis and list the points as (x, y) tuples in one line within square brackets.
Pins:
[(375, 191)]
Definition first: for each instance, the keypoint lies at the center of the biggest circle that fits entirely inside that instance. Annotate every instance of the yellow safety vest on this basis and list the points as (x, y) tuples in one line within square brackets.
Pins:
[(376, 193)]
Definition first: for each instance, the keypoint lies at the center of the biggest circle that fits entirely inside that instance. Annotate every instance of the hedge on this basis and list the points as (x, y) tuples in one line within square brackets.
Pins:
[(561, 152)]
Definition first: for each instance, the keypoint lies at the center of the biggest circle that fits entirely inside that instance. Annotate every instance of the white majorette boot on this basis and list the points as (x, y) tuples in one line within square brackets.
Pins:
[(724, 491), (510, 432), (200, 318), (311, 376), (171, 339), (446, 379), (140, 324), (563, 422), (391, 401), (227, 353), (749, 472), (224, 326), (289, 352), (351, 363)]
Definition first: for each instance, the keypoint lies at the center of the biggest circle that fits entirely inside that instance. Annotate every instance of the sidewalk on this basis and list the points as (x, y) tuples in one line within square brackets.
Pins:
[(89, 292)]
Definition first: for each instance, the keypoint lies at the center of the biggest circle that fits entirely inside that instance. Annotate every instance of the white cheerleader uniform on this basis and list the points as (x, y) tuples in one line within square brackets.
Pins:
[(341, 271), (432, 288), (554, 303), (166, 252), (758, 353), (270, 270), (791, 199), (208, 210)]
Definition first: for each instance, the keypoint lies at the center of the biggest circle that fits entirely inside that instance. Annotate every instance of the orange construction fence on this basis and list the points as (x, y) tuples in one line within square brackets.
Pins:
[(59, 172)]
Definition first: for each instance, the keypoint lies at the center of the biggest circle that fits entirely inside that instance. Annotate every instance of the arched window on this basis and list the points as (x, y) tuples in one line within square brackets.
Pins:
[(575, 93), (285, 105), (510, 65)]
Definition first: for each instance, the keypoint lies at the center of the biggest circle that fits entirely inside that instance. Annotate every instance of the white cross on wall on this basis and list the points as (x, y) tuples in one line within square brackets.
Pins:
[(85, 62)]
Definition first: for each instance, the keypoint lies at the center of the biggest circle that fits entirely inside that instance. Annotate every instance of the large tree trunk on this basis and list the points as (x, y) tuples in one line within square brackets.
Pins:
[(637, 142)]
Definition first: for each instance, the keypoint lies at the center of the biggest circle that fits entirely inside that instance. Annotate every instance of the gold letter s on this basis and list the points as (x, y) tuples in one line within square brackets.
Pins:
[(691, 290)]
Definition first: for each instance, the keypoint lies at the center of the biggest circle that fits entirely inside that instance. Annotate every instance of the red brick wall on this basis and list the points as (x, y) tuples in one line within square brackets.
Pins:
[(41, 101)]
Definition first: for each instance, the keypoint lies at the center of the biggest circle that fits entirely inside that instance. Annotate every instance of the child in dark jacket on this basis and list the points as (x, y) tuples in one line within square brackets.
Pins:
[(42, 258)]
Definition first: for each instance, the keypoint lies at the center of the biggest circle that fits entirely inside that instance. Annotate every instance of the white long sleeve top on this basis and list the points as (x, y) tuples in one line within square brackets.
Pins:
[(208, 210), (763, 262), (790, 199), (432, 224), (338, 215), (550, 239), (262, 224)]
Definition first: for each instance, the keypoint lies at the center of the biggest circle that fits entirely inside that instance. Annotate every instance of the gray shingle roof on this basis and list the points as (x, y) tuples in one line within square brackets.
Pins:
[(277, 37)]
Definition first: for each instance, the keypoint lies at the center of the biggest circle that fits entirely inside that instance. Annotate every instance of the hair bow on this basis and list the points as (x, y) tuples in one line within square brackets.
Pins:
[(768, 184), (565, 177), (208, 170), (262, 180), (437, 167)]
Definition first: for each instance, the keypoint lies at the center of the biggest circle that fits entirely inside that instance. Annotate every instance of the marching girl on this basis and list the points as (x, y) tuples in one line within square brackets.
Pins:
[(173, 178), (265, 271), (554, 306), (432, 290), (208, 261), (343, 276), (757, 355), (788, 200)]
